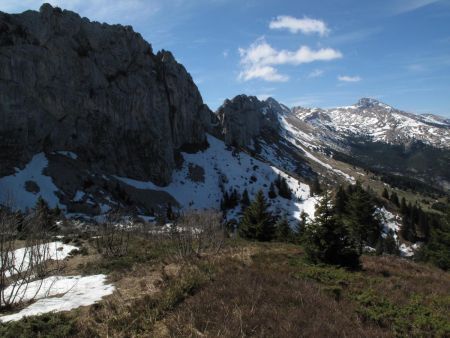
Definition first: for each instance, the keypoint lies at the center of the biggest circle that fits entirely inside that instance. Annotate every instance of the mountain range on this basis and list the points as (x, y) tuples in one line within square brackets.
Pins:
[(93, 119)]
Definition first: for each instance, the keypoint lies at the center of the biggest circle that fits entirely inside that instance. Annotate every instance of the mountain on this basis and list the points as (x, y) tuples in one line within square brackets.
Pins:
[(372, 119), (97, 90), (93, 120)]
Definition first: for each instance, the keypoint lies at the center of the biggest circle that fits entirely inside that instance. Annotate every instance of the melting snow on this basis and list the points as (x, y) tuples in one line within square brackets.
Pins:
[(13, 186), (237, 171), (21, 259), (60, 293)]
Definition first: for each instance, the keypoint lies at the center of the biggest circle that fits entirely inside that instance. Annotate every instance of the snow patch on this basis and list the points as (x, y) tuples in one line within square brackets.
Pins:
[(60, 293)]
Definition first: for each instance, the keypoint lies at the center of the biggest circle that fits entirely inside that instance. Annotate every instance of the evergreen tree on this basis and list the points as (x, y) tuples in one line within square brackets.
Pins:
[(394, 199), (385, 193), (283, 187), (245, 200), (315, 188), (284, 232), (301, 226), (437, 249), (391, 244), (340, 200), (272, 192), (403, 207), (257, 222), (328, 240), (364, 226), (44, 217)]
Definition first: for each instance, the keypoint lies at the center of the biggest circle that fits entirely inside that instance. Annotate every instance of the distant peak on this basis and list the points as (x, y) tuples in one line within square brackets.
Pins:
[(367, 102)]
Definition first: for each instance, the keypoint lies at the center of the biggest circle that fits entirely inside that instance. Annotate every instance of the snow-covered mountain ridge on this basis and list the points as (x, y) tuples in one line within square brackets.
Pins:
[(377, 121)]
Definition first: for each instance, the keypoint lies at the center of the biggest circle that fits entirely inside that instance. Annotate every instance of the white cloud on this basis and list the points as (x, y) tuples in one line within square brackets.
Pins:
[(346, 78), (225, 53), (259, 59), (266, 73), (316, 73), (403, 6), (294, 25)]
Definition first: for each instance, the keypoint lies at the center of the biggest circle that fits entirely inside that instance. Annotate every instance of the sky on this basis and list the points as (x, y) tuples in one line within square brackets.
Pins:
[(323, 53)]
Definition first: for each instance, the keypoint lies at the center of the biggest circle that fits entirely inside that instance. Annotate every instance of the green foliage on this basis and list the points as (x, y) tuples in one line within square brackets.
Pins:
[(284, 232), (50, 325), (328, 240), (283, 188), (272, 193), (257, 223), (437, 250), (416, 318), (245, 200), (315, 187)]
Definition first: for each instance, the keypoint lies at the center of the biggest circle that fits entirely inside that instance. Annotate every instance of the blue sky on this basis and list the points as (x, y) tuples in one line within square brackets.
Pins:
[(312, 53)]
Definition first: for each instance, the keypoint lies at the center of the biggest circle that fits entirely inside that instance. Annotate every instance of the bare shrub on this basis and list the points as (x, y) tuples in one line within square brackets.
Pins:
[(34, 260), (198, 232), (114, 234)]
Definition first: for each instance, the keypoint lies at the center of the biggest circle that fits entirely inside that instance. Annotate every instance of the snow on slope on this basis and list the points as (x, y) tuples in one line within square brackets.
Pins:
[(60, 293), (239, 171), (20, 260), (379, 121), (13, 186)]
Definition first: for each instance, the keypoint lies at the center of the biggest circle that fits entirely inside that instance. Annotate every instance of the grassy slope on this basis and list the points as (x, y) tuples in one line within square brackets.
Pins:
[(255, 290)]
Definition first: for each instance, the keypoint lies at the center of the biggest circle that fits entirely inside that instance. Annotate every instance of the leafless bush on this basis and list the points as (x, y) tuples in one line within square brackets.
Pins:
[(25, 255), (114, 235), (198, 232)]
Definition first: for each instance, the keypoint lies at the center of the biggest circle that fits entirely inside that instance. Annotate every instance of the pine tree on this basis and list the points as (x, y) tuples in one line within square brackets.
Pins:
[(365, 228), (403, 207), (272, 192), (340, 200), (385, 194), (245, 200), (43, 214), (394, 199), (284, 232), (257, 222), (391, 244), (315, 188), (328, 240), (437, 250), (301, 225)]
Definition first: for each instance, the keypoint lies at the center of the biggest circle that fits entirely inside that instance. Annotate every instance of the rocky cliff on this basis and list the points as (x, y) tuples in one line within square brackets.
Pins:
[(245, 117), (96, 90)]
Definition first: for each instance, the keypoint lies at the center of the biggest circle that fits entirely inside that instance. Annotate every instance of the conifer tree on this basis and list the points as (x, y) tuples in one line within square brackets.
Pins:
[(328, 240), (315, 188), (245, 200), (272, 192), (365, 228), (43, 214), (340, 200), (394, 199), (385, 193), (257, 222), (284, 232), (301, 226)]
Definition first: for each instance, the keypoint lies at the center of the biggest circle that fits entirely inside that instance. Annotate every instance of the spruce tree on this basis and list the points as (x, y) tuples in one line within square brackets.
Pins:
[(301, 225), (385, 194), (257, 222), (365, 228), (315, 188), (394, 199), (272, 192), (284, 232), (340, 200), (245, 200), (327, 239)]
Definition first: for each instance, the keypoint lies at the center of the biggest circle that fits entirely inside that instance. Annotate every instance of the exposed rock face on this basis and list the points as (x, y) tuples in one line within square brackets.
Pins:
[(98, 90), (245, 117)]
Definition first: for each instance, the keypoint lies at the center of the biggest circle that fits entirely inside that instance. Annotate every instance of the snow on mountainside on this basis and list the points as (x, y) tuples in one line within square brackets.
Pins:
[(198, 184), (378, 121)]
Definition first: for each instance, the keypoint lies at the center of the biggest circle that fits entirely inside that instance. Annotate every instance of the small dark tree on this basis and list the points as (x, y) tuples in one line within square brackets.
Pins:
[(272, 192), (43, 214), (394, 199), (315, 188), (340, 200), (284, 232), (257, 222), (245, 200), (327, 239), (301, 225), (385, 194)]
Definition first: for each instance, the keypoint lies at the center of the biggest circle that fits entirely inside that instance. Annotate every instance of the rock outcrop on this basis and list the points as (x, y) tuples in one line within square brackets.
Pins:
[(245, 117), (94, 89)]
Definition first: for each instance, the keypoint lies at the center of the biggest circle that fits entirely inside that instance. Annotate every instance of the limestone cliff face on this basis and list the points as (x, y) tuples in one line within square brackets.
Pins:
[(245, 117), (95, 89)]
